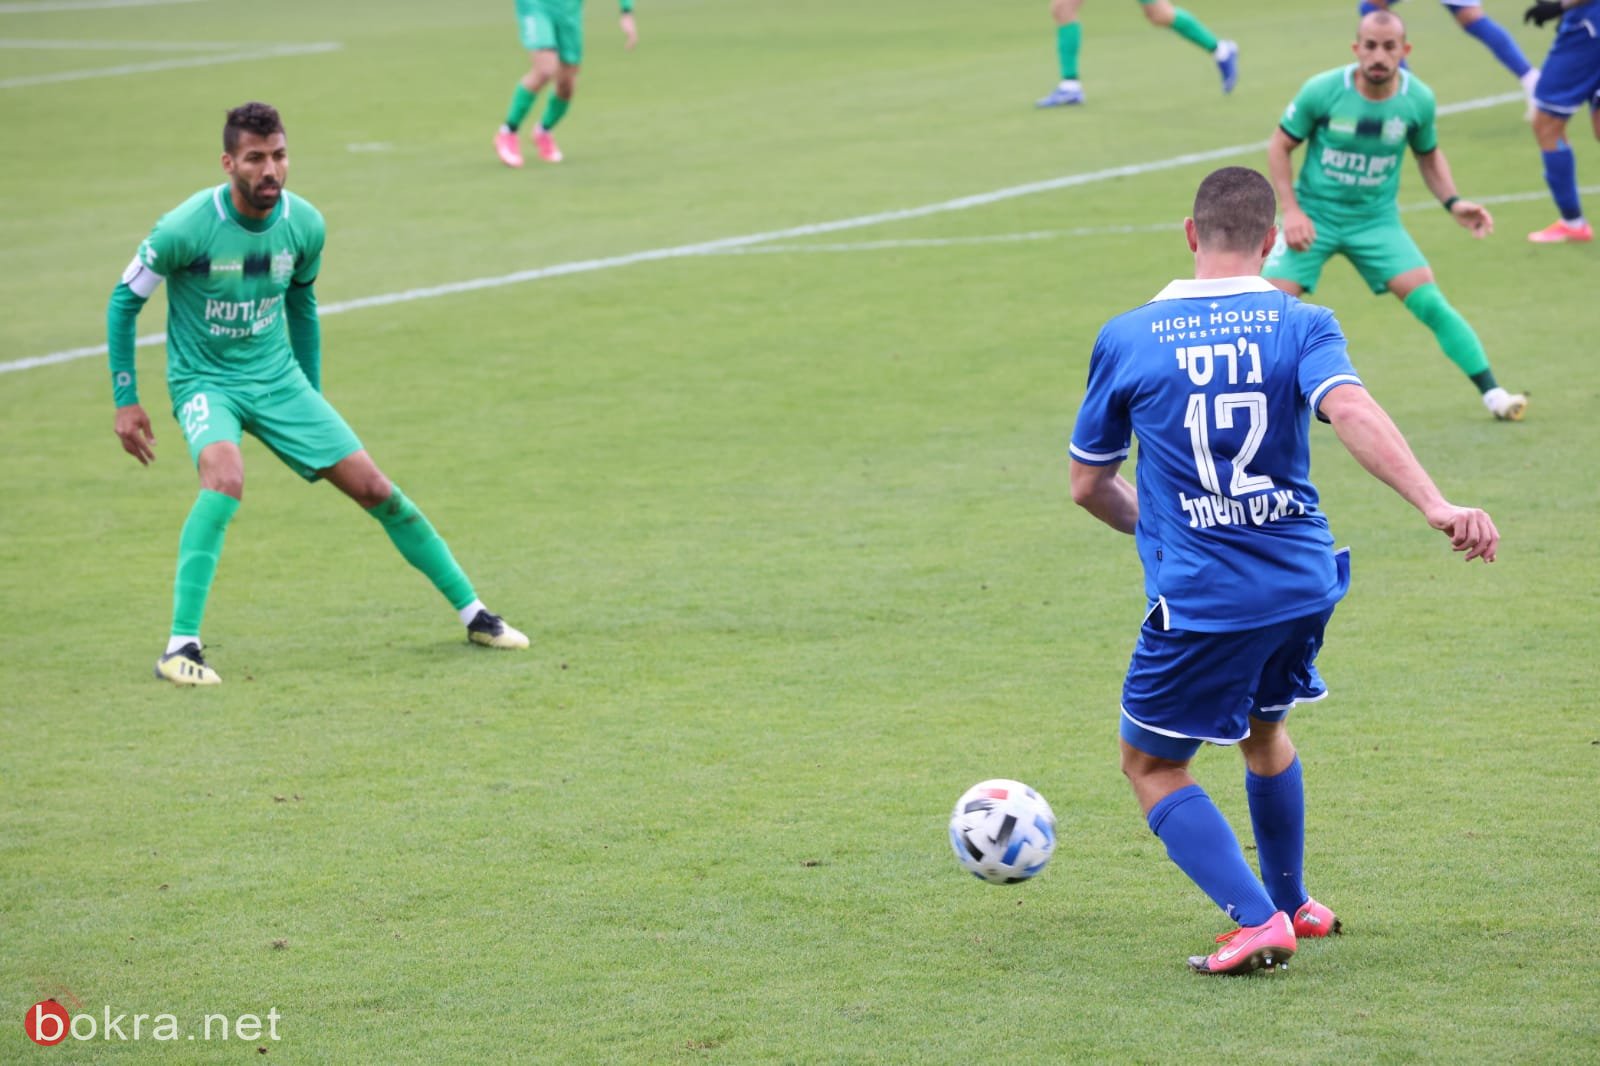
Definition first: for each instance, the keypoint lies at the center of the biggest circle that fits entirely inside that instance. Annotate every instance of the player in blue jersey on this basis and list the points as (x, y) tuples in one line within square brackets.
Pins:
[(1470, 16), (1571, 80), (1218, 378)]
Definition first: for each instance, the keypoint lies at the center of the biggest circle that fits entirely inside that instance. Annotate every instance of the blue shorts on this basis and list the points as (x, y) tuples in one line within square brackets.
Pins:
[(1570, 76), (1185, 688)]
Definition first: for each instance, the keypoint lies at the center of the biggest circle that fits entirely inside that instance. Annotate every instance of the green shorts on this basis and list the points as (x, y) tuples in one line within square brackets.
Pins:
[(1380, 248), (550, 31), (294, 421)]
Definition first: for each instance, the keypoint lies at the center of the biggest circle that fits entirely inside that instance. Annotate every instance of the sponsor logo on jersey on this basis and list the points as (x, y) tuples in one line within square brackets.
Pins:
[(1394, 131)]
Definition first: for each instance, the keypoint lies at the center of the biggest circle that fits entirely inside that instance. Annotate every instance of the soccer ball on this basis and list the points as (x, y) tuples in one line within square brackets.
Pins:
[(1002, 831)]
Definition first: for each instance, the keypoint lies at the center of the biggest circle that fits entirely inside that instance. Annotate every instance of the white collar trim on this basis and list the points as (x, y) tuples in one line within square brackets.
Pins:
[(1191, 288)]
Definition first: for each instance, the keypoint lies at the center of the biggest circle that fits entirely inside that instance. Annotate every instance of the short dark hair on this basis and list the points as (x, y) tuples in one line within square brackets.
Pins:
[(1380, 17), (1233, 209), (254, 117)]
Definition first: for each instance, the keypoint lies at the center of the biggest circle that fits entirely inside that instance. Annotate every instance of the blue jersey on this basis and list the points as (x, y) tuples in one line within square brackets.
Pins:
[(1218, 379)]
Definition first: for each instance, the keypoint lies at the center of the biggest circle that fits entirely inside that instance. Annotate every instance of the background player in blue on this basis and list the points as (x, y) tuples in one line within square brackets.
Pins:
[(1571, 79), (1218, 378), (1470, 16)]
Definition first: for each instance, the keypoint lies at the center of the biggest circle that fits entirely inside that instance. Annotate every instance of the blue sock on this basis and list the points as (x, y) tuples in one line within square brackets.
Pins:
[(1497, 40), (1561, 174), (1199, 840), (1278, 816), (1367, 9)]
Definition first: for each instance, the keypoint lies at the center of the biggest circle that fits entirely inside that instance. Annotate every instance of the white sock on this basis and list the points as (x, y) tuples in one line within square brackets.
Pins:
[(470, 611), (1495, 398), (176, 643)]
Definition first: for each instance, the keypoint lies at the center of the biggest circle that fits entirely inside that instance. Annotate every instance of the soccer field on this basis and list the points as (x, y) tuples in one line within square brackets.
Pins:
[(753, 413)]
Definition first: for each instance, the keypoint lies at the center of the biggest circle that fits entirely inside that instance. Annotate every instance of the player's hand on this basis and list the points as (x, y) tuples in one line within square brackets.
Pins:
[(630, 30), (1542, 12), (1298, 229), (133, 429), (1475, 217), (1470, 530)]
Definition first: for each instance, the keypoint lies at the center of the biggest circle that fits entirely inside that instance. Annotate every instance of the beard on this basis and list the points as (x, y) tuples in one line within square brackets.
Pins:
[(263, 196)]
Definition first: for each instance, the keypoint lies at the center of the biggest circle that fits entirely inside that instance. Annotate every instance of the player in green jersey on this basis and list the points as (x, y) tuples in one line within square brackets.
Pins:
[(1160, 13), (1356, 123), (552, 32), (244, 354)]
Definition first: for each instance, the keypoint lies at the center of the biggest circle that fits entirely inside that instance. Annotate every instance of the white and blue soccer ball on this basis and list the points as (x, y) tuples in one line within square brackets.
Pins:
[(1003, 831)]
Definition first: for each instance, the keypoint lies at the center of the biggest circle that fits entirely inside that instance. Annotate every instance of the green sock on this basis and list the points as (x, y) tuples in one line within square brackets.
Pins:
[(423, 548), (1461, 345), (199, 546), (521, 104), (1190, 28), (1068, 38), (553, 111)]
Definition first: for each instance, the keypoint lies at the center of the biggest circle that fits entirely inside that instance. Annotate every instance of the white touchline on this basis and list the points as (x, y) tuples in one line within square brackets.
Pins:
[(1060, 234), (67, 44), (585, 266), (271, 51), (51, 6)]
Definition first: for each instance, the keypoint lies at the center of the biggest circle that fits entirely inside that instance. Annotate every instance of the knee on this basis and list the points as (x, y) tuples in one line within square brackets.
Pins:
[(1160, 14), (566, 84), (222, 470), (372, 489), (227, 482)]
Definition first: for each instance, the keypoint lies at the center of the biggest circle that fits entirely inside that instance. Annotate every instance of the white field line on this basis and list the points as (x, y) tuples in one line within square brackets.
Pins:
[(727, 244), (1061, 234), (50, 7), (271, 51), (67, 44)]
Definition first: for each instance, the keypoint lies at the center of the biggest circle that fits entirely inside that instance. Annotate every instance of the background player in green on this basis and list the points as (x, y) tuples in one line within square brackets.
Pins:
[(1358, 121), (244, 353), (552, 32), (1160, 13)]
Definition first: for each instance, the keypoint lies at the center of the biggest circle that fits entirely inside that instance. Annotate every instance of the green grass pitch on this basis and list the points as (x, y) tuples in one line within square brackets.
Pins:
[(787, 518)]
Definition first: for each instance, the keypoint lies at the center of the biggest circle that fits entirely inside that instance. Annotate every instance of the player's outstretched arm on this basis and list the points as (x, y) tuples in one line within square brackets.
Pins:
[(1435, 168), (1106, 495), (1369, 434)]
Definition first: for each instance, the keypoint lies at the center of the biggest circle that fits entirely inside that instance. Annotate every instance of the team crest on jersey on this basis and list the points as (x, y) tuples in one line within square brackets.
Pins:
[(1394, 131), (282, 267)]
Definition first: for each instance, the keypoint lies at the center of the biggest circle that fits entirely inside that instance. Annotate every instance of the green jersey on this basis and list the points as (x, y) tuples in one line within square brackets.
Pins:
[(572, 9), (1354, 145), (227, 277)]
